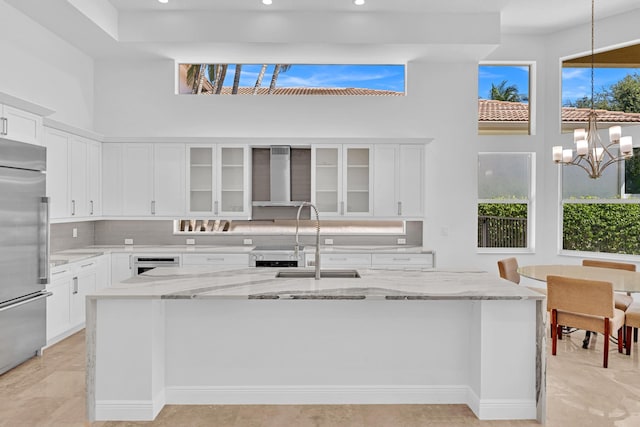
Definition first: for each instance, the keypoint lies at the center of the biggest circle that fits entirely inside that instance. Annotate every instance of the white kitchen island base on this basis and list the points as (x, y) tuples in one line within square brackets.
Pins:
[(145, 352)]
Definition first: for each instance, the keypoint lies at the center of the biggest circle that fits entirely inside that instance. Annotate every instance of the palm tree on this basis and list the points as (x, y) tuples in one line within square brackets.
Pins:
[(220, 76), (502, 92), (195, 77), (236, 79), (276, 72), (259, 79)]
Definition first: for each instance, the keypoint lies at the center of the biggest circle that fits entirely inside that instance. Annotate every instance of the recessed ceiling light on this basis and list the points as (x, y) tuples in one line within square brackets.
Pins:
[(358, 2), (163, 1), (267, 2)]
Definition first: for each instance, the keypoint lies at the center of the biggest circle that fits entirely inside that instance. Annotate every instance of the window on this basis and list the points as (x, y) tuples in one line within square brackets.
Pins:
[(292, 79), (503, 99), (505, 202), (600, 215)]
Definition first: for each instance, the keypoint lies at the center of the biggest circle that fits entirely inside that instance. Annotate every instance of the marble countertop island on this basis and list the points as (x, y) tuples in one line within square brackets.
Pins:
[(198, 282)]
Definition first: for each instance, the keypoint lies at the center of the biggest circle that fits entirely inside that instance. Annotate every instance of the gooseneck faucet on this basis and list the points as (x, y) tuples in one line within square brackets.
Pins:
[(297, 247)]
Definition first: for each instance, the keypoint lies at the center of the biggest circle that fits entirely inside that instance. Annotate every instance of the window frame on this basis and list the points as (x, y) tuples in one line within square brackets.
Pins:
[(530, 202)]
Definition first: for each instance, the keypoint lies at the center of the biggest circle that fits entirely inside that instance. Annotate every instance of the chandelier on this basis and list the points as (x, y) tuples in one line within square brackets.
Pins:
[(592, 154)]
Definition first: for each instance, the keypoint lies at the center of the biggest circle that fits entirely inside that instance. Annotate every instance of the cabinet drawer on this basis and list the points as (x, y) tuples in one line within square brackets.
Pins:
[(215, 259), (346, 260), (416, 260)]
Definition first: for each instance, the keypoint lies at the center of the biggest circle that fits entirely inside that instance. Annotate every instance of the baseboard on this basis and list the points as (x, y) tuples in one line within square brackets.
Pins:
[(316, 395), (502, 409), (130, 410)]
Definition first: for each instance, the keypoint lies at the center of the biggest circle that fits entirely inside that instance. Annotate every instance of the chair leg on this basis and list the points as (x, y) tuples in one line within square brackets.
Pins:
[(620, 339), (559, 328), (554, 332), (628, 340), (587, 338), (607, 333), (635, 334)]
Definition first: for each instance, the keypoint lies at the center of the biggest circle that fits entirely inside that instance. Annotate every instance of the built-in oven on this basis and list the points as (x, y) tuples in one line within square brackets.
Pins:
[(142, 263), (276, 256)]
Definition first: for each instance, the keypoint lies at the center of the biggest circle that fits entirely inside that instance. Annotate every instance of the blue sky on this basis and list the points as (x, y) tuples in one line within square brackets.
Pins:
[(388, 77), (576, 82)]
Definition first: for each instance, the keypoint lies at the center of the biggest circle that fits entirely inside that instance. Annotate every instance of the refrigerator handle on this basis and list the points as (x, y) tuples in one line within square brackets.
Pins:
[(43, 258)]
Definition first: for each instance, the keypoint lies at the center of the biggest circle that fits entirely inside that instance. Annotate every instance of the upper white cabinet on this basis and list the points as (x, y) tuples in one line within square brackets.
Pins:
[(342, 179), (218, 181), (143, 179), (73, 175), (398, 180), (20, 125)]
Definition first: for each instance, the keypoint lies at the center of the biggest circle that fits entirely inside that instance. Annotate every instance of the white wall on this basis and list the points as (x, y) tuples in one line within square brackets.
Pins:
[(39, 67)]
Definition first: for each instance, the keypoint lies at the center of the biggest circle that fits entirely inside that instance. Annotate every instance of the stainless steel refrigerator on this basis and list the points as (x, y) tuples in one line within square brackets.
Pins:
[(24, 247)]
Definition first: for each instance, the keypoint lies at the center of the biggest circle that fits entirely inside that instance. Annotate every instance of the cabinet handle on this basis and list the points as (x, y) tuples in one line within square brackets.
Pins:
[(75, 285), (73, 207), (399, 208), (130, 259), (338, 259), (87, 265), (59, 272), (153, 207), (91, 204), (215, 259), (5, 126), (215, 207), (402, 259), (341, 208)]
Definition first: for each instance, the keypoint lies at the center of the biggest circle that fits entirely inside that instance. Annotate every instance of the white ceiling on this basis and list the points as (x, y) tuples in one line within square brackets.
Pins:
[(391, 30)]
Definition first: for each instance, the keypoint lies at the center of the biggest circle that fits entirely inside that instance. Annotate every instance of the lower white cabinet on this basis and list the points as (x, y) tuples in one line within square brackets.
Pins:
[(216, 259), (424, 260), (70, 284), (342, 260), (121, 267)]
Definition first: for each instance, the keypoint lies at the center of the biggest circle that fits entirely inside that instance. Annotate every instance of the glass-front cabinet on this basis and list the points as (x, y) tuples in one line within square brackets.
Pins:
[(341, 179), (218, 181)]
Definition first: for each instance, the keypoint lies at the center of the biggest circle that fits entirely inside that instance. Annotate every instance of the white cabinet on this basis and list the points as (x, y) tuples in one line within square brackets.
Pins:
[(328, 260), (83, 283), (58, 304), (121, 267), (402, 260), (219, 181), (103, 271), (398, 180), (216, 259), (20, 125), (342, 179), (141, 179), (73, 175)]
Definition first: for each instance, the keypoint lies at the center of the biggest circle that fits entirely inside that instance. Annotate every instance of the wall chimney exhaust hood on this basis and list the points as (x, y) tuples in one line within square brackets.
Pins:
[(280, 178)]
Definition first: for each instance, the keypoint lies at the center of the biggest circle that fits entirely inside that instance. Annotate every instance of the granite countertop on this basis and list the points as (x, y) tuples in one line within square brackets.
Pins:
[(201, 282)]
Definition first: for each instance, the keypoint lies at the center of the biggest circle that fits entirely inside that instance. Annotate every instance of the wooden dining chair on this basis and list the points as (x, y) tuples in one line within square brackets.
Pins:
[(508, 269), (583, 304)]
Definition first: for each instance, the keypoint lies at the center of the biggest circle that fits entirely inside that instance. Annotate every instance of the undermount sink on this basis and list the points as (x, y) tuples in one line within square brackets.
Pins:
[(328, 274)]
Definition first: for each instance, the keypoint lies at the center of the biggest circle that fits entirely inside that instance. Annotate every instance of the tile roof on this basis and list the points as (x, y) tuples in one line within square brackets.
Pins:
[(504, 111)]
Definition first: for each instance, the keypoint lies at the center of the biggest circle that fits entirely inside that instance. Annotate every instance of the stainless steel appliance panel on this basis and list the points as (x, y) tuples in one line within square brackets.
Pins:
[(23, 331), (23, 233)]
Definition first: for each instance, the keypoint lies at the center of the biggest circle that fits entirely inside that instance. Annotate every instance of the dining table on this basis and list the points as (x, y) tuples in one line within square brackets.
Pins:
[(622, 280)]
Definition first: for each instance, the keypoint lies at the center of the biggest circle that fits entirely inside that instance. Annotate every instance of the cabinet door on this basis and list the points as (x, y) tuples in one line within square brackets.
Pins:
[(233, 182), (94, 178), (78, 177), (326, 179), (216, 259), (411, 181), (385, 184), (201, 178), (169, 179), (57, 173), (20, 125), (58, 320), (357, 181), (344, 260), (82, 284), (112, 180), (137, 174), (121, 267)]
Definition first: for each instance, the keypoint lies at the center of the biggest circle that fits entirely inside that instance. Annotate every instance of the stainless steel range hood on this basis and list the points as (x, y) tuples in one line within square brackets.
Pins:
[(280, 179)]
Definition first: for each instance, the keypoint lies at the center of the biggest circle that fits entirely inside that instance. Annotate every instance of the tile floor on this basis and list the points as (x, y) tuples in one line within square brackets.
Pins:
[(48, 391)]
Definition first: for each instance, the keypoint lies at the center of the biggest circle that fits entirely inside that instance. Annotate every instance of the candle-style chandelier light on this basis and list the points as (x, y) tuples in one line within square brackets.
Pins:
[(592, 154)]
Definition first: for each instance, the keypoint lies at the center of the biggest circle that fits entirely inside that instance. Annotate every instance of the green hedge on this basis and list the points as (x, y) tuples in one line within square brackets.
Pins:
[(503, 210), (602, 227)]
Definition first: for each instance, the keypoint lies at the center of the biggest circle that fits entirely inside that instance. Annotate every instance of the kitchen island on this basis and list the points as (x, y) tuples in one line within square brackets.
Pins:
[(204, 335)]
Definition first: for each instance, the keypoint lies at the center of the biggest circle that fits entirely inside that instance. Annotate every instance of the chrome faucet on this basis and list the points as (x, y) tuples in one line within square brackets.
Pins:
[(297, 246)]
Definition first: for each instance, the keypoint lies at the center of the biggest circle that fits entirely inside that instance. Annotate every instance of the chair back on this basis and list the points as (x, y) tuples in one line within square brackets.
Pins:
[(590, 297), (608, 264), (508, 269)]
